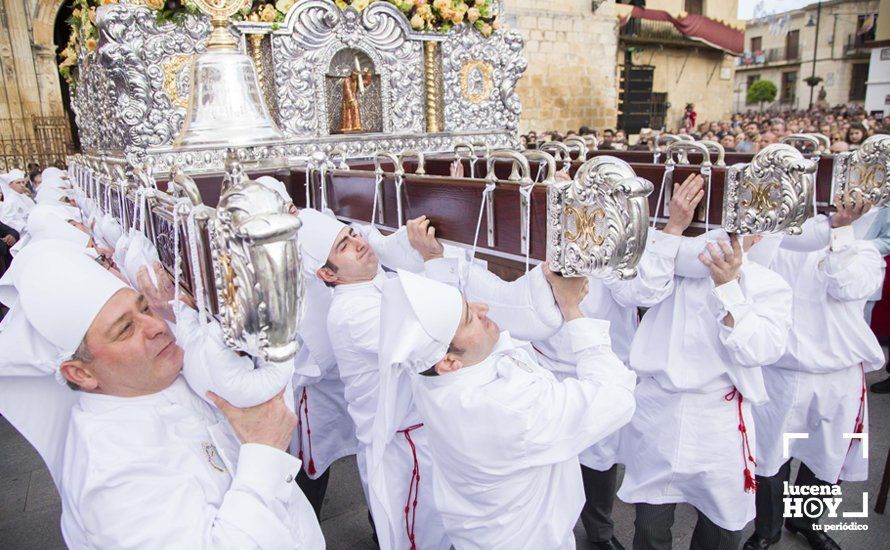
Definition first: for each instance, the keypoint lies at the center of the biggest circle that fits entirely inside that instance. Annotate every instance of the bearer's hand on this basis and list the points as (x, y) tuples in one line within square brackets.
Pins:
[(160, 296), (422, 237), (270, 423), (684, 199), (569, 292), (457, 169), (562, 175), (9, 240), (849, 209), (724, 260)]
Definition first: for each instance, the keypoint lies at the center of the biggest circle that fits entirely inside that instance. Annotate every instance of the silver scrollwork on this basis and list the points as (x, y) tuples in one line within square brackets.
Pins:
[(771, 194), (597, 223)]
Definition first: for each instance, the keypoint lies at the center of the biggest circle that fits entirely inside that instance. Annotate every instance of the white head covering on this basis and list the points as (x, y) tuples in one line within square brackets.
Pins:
[(46, 222), (44, 326), (14, 203), (49, 194), (275, 185), (317, 236), (140, 252), (418, 320), (52, 171), (62, 292)]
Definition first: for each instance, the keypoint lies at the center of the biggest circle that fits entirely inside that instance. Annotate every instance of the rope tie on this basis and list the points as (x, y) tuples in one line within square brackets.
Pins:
[(413, 486), (747, 455)]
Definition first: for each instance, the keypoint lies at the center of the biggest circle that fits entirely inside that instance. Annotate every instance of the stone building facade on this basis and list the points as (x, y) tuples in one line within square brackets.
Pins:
[(30, 87), (786, 54), (571, 76), (684, 70)]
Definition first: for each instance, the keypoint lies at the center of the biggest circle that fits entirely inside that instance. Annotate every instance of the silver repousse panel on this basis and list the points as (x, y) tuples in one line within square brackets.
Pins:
[(314, 33), (479, 76), (865, 171), (771, 194), (598, 222), (121, 104)]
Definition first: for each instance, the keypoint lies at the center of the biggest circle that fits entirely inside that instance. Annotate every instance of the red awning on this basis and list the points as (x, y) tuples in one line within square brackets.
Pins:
[(698, 27)]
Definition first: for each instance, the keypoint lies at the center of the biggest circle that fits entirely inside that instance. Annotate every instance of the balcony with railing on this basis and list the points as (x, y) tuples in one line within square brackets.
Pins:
[(770, 56), (856, 45), (638, 30)]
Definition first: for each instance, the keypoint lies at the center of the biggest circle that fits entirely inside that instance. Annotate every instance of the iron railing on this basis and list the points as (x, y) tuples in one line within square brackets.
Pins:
[(42, 140)]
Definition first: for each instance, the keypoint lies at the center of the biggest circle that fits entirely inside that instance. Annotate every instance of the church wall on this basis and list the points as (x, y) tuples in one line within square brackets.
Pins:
[(571, 76)]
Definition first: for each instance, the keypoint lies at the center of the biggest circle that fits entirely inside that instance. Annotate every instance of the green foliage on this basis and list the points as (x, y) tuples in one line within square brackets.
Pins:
[(762, 91)]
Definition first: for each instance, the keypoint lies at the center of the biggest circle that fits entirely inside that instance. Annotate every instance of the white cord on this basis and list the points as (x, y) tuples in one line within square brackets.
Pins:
[(486, 193), (706, 171), (665, 181), (378, 184), (526, 191)]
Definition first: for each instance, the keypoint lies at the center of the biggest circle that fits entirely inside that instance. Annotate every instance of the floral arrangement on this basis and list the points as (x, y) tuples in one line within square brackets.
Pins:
[(423, 15)]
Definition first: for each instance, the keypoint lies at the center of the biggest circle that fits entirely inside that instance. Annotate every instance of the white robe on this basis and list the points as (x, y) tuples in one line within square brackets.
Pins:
[(684, 442), (354, 330), (517, 306), (817, 387), (617, 302), (325, 432), (161, 471), (506, 435)]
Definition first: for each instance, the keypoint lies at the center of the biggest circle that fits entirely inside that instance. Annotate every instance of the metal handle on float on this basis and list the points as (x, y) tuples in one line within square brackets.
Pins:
[(520, 168)]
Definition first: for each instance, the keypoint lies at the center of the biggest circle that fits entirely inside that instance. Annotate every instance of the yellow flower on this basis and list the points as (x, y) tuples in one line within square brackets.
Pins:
[(268, 13), (91, 44), (441, 5), (106, 2), (473, 15), (418, 3), (424, 11), (284, 5), (360, 4), (457, 17), (417, 22), (154, 4), (496, 25), (485, 29), (76, 13), (341, 4)]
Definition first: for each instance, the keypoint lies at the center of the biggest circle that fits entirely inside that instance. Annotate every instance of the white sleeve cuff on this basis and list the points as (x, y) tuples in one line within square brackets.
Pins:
[(842, 237), (588, 333), (730, 294), (267, 471), (663, 244), (444, 270)]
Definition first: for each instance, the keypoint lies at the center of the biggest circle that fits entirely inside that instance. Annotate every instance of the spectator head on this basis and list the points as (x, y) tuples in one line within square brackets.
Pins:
[(728, 141), (609, 134), (751, 130), (768, 138), (856, 134), (839, 147)]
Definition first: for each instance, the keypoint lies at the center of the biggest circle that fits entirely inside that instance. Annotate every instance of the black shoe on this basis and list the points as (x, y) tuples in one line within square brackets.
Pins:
[(756, 542), (817, 539), (881, 387), (611, 544)]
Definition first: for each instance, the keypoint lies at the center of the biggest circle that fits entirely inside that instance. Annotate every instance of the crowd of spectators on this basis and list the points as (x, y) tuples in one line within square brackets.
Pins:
[(846, 127)]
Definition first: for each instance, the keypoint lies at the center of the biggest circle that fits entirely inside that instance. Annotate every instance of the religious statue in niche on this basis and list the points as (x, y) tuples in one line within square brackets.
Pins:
[(353, 94)]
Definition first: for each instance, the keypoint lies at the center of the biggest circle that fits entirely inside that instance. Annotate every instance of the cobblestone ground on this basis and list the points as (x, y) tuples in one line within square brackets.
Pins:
[(29, 504)]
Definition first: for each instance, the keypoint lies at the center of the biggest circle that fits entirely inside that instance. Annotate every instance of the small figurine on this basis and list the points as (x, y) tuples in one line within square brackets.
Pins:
[(353, 87)]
